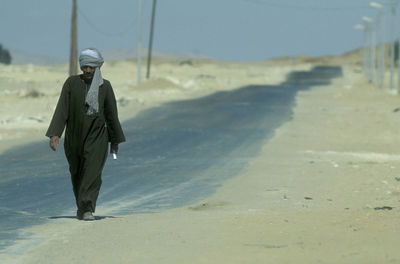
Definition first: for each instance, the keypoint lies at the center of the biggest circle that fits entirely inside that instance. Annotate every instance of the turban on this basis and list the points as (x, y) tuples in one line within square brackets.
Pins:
[(92, 57)]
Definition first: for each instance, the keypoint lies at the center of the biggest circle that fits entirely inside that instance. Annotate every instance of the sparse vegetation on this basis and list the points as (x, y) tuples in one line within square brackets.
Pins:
[(186, 62), (5, 56), (34, 93)]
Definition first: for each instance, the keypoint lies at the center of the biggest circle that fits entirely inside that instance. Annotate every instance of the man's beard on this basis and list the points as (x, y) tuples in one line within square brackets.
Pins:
[(88, 76)]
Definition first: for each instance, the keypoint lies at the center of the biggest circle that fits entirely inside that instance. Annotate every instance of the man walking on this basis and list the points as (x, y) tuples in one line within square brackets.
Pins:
[(88, 109)]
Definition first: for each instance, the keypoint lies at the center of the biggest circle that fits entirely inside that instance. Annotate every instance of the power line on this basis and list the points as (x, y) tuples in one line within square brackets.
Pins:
[(305, 7), (96, 28)]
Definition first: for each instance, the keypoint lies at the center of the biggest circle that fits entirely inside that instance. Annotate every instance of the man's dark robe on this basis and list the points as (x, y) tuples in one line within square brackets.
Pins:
[(86, 137)]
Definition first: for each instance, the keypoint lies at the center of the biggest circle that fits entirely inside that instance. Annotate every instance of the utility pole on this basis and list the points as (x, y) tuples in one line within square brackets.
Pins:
[(369, 26), (364, 53), (373, 51), (398, 66), (381, 51), (366, 49), (139, 44), (153, 14), (73, 55), (392, 30)]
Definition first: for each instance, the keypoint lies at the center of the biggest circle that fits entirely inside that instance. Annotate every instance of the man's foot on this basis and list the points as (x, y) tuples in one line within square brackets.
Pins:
[(79, 215), (88, 216)]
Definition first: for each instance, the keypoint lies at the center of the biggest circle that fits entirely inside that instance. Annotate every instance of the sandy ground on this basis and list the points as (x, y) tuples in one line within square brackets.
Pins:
[(324, 189), (29, 93)]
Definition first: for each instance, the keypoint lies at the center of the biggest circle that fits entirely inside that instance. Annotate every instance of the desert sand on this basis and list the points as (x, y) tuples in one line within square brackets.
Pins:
[(324, 189)]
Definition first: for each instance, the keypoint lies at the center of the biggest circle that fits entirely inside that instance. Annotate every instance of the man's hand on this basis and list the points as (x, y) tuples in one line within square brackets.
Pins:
[(114, 148), (54, 141)]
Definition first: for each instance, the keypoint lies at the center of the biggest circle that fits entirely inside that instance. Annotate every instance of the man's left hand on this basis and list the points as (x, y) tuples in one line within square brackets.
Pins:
[(114, 148)]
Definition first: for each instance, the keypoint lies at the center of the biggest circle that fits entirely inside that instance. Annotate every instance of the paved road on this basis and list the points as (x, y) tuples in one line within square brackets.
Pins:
[(175, 155)]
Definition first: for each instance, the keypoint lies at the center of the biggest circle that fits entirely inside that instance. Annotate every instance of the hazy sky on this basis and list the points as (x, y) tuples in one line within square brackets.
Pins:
[(223, 29)]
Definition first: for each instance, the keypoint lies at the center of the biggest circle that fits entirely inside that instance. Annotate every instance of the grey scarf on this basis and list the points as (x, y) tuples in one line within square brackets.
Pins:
[(92, 57)]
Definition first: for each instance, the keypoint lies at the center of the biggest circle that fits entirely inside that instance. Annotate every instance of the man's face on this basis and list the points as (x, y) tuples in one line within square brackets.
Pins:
[(88, 72)]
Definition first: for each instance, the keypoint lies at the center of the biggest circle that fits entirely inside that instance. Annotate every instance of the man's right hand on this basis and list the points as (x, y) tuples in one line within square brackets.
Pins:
[(54, 141)]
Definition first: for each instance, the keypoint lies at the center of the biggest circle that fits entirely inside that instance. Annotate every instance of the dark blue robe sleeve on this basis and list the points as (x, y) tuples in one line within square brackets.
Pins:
[(116, 135), (60, 116)]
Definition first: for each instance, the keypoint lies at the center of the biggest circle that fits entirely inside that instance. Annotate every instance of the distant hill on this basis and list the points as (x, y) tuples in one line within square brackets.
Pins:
[(124, 54), (21, 57)]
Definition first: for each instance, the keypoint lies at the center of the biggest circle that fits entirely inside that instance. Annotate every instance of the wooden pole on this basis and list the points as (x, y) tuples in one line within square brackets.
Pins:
[(73, 55), (139, 44), (153, 14)]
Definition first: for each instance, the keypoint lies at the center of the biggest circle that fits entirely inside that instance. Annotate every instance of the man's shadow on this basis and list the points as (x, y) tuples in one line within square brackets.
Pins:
[(96, 217)]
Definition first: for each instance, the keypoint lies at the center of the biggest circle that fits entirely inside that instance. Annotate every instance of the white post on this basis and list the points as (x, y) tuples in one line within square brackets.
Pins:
[(382, 47), (365, 50), (361, 27), (369, 25), (381, 51), (139, 44)]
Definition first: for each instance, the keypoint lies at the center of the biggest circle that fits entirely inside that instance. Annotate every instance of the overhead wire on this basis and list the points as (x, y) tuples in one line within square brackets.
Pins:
[(96, 28), (305, 7)]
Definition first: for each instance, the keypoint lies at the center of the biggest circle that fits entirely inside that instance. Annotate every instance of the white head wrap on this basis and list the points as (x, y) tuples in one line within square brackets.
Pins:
[(92, 57)]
